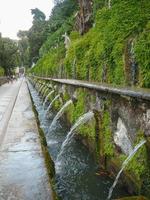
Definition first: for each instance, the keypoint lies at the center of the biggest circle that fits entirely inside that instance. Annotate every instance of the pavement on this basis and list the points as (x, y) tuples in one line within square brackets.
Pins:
[(23, 175)]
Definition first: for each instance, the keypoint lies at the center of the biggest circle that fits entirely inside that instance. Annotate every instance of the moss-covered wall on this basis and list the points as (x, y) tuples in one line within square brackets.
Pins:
[(115, 50), (98, 133)]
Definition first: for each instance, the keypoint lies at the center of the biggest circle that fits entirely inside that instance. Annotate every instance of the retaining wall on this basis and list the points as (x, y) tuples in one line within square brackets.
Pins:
[(121, 120)]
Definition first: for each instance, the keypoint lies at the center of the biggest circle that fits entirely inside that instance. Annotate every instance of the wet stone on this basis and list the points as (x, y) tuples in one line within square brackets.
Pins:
[(23, 175)]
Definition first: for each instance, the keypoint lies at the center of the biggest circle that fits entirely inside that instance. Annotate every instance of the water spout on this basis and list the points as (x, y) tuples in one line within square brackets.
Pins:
[(44, 91), (82, 120), (60, 113), (124, 165), (36, 85), (46, 98), (41, 88), (49, 107)]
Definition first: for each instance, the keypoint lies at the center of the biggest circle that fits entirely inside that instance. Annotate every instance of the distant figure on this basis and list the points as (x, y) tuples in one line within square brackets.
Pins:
[(14, 78), (7, 79), (10, 79)]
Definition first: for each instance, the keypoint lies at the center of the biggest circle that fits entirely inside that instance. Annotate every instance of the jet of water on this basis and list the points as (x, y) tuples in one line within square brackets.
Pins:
[(45, 91), (60, 113), (82, 120), (41, 88), (49, 107), (124, 165), (36, 85), (46, 98)]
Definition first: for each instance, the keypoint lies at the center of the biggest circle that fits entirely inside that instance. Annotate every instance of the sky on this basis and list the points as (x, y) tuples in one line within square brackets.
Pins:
[(16, 15)]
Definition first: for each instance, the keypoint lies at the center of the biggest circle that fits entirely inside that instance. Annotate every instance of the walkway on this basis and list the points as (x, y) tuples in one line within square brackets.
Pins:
[(23, 175)]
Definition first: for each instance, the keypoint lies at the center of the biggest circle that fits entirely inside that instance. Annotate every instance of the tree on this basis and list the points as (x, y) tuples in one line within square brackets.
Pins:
[(60, 13), (9, 55), (84, 16), (23, 46), (37, 15), (37, 33)]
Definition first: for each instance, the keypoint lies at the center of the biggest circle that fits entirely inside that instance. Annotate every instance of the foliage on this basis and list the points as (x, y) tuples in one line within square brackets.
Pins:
[(77, 110), (37, 15), (47, 37), (143, 54), (23, 46), (9, 56), (80, 105), (107, 134), (103, 53), (37, 34), (88, 130), (62, 11), (97, 4), (104, 45), (52, 60), (55, 39), (61, 21), (1, 71), (138, 164)]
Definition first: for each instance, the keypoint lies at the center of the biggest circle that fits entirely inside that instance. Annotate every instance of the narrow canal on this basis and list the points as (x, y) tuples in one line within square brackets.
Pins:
[(76, 170)]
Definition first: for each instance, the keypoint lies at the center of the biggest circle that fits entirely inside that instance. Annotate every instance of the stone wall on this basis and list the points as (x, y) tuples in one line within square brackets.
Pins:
[(3, 80), (120, 122)]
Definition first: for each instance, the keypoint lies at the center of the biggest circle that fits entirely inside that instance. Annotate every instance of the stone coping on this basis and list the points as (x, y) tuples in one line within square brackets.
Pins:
[(140, 93)]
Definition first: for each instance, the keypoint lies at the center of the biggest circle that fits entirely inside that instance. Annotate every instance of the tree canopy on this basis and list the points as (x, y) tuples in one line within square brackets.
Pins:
[(9, 55), (36, 34), (112, 47)]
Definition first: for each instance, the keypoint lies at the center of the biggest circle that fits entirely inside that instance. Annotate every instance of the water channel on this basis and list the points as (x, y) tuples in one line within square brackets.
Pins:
[(76, 170)]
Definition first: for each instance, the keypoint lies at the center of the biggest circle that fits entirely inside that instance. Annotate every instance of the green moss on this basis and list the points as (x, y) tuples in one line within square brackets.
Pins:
[(57, 105), (107, 134), (102, 50), (138, 167), (48, 160), (69, 114), (88, 130), (142, 51), (46, 66), (80, 108), (138, 164), (66, 96)]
